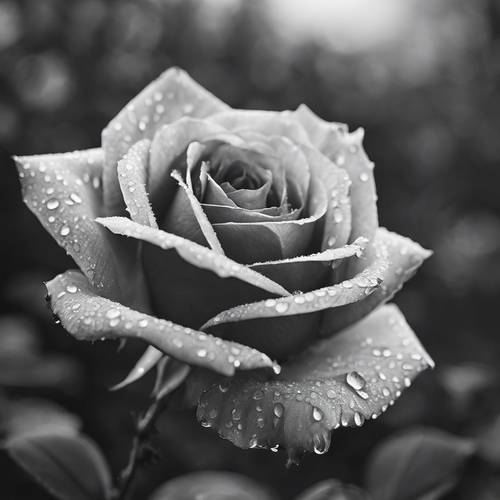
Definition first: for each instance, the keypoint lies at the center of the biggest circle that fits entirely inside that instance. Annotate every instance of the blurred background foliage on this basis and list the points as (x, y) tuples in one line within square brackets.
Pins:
[(422, 78)]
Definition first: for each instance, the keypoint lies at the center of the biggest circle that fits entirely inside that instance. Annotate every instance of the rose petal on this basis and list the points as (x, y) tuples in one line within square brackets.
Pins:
[(200, 216), (404, 256), (265, 122), (193, 253), (308, 272), (337, 220), (88, 316), (347, 292), (346, 150), (218, 214), (273, 240), (341, 381), (132, 174), (173, 95), (168, 145), (64, 192)]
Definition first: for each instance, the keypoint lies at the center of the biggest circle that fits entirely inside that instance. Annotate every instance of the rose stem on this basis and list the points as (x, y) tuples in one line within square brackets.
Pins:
[(144, 427)]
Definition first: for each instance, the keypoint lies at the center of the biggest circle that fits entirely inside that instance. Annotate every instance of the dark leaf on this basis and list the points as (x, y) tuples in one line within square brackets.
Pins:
[(331, 489), (211, 486), (69, 467), (423, 463)]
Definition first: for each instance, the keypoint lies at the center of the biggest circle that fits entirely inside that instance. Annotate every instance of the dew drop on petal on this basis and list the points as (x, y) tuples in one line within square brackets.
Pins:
[(281, 307), (317, 414), (355, 380), (358, 419), (113, 313), (52, 204), (278, 410)]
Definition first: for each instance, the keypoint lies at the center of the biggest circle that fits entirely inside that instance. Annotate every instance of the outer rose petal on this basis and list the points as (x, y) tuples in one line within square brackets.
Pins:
[(405, 256), (265, 122), (344, 380), (346, 150), (64, 192), (88, 316), (173, 95)]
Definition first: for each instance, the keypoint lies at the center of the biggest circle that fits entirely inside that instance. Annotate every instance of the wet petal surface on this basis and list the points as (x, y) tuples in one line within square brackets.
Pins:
[(341, 381), (132, 174), (65, 192), (193, 253), (171, 96), (88, 316), (404, 257)]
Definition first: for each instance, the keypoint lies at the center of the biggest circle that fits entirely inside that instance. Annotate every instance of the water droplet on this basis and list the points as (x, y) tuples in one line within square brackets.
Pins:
[(76, 198), (281, 307), (64, 231), (363, 177), (258, 394), (358, 419), (331, 241), (320, 444), (52, 204), (317, 414), (113, 313), (355, 380), (201, 353), (278, 410)]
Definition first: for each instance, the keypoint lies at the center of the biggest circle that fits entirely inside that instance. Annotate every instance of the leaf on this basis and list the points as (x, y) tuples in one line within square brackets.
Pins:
[(193, 253), (89, 317), (331, 489), (342, 381), (423, 463), (170, 376), (211, 486), (147, 361), (33, 417), (171, 96), (22, 364), (64, 192), (404, 257), (69, 467)]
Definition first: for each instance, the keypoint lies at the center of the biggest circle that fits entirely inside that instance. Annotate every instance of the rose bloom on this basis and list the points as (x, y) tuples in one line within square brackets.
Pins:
[(243, 244)]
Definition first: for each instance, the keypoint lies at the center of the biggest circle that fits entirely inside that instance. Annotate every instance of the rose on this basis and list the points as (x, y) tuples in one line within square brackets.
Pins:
[(252, 239)]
